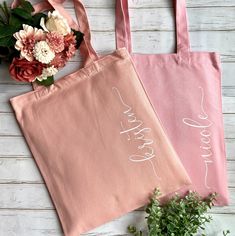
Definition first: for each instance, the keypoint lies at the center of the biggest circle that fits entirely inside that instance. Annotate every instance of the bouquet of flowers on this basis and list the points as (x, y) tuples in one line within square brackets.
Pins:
[(36, 45)]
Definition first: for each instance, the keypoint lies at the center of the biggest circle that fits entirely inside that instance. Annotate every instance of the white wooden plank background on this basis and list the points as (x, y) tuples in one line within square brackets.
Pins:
[(25, 206)]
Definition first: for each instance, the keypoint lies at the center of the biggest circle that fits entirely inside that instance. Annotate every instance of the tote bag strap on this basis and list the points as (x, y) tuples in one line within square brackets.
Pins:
[(122, 25), (57, 5), (83, 25), (86, 48), (123, 32)]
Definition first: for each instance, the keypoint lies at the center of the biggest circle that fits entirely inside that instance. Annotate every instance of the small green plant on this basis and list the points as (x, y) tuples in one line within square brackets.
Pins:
[(178, 217)]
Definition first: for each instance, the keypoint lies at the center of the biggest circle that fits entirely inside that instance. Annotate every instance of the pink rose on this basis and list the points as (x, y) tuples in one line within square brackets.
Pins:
[(25, 71), (55, 41), (69, 39), (59, 60)]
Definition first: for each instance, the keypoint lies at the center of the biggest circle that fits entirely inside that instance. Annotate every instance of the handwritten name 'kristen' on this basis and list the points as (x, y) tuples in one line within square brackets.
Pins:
[(136, 130)]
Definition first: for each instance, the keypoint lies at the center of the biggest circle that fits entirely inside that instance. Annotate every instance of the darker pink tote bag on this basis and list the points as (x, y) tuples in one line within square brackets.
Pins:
[(185, 90), (97, 140)]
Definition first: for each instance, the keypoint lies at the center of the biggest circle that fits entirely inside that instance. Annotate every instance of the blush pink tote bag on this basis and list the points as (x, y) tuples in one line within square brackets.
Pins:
[(97, 140), (185, 90)]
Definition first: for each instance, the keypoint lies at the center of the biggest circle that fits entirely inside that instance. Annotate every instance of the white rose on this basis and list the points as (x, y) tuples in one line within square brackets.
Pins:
[(46, 72), (55, 23)]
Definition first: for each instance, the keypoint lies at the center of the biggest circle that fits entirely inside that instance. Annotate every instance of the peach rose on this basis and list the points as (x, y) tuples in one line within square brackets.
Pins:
[(24, 70)]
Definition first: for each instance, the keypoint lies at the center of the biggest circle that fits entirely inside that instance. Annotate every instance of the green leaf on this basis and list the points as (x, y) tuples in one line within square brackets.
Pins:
[(7, 41), (4, 51), (37, 18), (8, 53), (49, 81), (16, 22), (7, 30), (79, 37), (27, 6), (4, 10), (225, 233), (7, 11), (131, 229), (22, 13), (2, 21)]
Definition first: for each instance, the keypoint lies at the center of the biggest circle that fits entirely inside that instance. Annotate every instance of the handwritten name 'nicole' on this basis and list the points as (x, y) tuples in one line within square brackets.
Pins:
[(137, 131), (203, 124)]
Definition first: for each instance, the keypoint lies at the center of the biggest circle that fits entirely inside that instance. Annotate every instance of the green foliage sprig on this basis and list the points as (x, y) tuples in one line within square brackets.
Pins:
[(11, 21), (178, 217)]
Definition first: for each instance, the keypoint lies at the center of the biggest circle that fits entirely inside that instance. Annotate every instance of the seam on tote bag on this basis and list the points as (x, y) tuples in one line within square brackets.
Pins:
[(94, 68)]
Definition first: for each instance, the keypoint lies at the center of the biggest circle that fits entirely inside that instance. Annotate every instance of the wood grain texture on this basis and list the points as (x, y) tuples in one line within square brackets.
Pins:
[(161, 19), (152, 3), (158, 42), (45, 222), (24, 170), (30, 196), (25, 205)]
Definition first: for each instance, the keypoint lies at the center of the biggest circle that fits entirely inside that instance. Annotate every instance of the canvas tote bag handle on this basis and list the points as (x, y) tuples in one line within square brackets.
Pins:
[(86, 48), (123, 32), (122, 25)]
